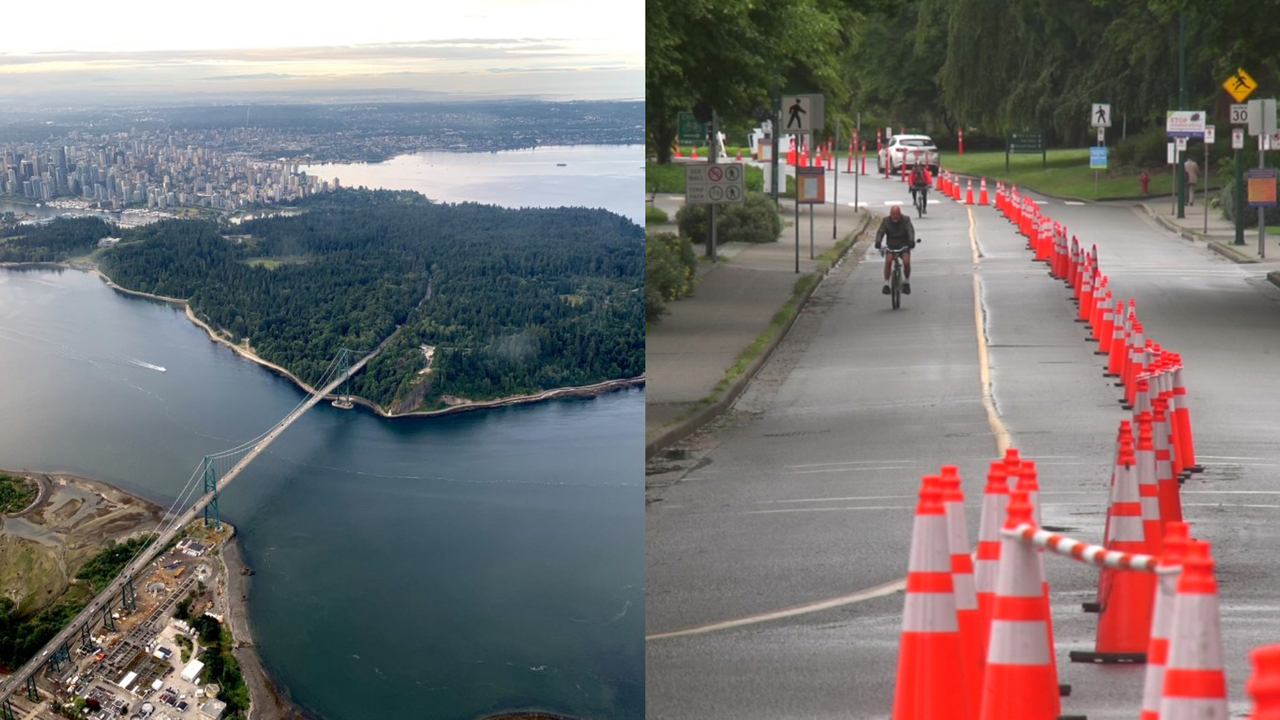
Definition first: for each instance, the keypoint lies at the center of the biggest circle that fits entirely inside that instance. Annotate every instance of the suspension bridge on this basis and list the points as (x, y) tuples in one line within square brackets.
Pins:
[(214, 473)]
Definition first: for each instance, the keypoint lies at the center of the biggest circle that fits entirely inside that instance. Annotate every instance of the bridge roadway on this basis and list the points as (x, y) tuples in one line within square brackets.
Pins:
[(13, 683)]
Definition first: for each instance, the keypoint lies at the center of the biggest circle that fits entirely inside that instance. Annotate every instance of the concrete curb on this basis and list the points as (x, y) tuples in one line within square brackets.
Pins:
[(683, 429), (1274, 277), (1134, 198), (1233, 254)]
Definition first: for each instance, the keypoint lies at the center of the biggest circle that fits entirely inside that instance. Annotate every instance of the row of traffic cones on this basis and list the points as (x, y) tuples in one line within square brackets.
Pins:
[(949, 185), (977, 639), (1138, 610)]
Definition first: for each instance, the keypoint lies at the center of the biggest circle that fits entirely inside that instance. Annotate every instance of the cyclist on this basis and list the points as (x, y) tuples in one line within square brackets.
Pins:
[(920, 182), (900, 233)]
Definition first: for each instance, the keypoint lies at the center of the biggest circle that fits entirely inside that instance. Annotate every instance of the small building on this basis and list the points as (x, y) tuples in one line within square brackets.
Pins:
[(213, 709), (192, 670), (128, 680), (163, 653), (107, 242)]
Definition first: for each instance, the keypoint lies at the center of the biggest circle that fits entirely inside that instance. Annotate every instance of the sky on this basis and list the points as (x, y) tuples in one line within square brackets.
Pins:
[(77, 52)]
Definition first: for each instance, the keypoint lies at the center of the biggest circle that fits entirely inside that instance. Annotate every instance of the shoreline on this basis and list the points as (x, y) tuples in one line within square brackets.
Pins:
[(572, 391), (268, 699)]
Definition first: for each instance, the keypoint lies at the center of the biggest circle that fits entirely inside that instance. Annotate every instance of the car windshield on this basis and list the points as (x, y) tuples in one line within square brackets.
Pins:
[(915, 142)]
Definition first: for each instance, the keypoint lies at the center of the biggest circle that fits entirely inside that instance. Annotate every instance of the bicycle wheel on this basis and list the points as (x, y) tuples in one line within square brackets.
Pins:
[(895, 287), (919, 204)]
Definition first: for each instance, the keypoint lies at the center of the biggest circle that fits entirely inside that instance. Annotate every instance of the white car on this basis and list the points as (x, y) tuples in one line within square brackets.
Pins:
[(910, 148)]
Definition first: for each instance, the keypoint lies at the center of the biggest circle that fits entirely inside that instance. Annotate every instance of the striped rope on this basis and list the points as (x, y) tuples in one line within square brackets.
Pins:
[(1084, 552)]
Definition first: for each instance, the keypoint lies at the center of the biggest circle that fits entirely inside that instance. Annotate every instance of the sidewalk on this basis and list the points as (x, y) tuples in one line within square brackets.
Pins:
[(690, 349), (1221, 235)]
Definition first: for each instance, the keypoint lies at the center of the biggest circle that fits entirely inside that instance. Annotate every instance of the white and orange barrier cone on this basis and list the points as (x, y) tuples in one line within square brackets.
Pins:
[(1264, 685), (930, 665), (1125, 597), (1195, 683), (1166, 480), (1029, 482), (1182, 415), (1120, 339), (982, 196), (972, 641), (1148, 485), (1108, 326), (1162, 618), (1126, 431), (995, 501), (1020, 683)]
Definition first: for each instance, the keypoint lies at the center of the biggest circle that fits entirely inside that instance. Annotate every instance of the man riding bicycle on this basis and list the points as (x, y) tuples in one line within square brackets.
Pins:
[(920, 182), (901, 235)]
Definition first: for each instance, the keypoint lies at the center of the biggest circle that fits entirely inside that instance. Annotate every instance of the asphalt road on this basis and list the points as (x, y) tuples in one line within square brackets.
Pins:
[(779, 518)]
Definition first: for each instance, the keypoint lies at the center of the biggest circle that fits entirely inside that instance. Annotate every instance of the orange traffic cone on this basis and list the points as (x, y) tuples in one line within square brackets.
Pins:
[(1170, 494), (1182, 415), (1086, 290), (694, 153), (995, 500), (1125, 598), (1195, 685), (1096, 308), (982, 196), (1106, 322), (1017, 656), (677, 151), (972, 645), (930, 677), (1148, 485), (1029, 482), (1119, 340), (739, 158), (1126, 432), (1264, 686), (1162, 619)]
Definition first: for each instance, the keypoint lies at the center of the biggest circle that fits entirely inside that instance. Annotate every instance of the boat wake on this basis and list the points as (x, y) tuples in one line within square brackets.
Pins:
[(149, 366)]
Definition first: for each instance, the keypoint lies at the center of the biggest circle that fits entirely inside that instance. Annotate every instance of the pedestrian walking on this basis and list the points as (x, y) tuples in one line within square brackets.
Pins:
[(1192, 171)]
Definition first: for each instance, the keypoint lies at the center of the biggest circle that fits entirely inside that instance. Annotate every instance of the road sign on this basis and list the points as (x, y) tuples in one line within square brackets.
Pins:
[(811, 185), (1100, 115), (1210, 134), (704, 184), (1262, 187), (1262, 117), (1102, 135), (1184, 123), (688, 130), (802, 113), (1098, 158), (1240, 114), (1237, 138), (1181, 142), (1170, 153), (1240, 85)]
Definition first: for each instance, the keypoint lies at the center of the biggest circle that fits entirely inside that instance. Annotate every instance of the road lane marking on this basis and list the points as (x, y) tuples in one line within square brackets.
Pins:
[(850, 469), (904, 463), (1072, 202), (860, 596), (998, 429), (893, 202)]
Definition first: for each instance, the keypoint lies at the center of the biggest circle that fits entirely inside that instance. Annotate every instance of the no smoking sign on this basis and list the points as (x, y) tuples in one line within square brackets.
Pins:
[(714, 184)]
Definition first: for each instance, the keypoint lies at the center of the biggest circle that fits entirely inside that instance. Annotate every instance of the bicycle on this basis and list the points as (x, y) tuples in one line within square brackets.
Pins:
[(895, 274), (921, 199)]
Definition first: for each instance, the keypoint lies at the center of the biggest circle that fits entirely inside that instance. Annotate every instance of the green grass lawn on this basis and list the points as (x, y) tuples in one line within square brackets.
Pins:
[(654, 216), (1065, 173)]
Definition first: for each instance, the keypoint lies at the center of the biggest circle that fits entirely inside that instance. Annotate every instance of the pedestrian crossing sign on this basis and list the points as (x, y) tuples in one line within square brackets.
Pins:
[(1240, 85)]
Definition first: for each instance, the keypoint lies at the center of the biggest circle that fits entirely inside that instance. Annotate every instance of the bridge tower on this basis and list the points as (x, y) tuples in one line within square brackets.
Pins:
[(86, 638), (107, 620), (344, 359), (6, 710), (59, 656), (128, 597), (33, 694), (211, 485)]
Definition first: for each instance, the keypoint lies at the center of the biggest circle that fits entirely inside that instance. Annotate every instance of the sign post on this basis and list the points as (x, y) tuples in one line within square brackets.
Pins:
[(1262, 122), (810, 190), (1182, 124), (1209, 132), (1239, 116), (689, 130), (714, 184), (835, 191), (1240, 85)]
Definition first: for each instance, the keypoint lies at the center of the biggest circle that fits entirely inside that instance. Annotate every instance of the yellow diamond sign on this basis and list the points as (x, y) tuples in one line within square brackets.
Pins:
[(1240, 85)]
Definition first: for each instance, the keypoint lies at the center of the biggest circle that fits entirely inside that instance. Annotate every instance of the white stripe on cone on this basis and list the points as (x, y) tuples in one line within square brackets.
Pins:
[(1018, 642), (930, 612)]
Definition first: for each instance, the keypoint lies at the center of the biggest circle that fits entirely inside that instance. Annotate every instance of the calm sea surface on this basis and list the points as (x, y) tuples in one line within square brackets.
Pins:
[(428, 568), (603, 176)]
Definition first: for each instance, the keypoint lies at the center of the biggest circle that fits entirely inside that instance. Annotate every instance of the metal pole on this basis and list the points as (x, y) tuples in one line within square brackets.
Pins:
[(773, 166), (711, 209), (835, 193), (1239, 166), (797, 201), (1204, 198), (810, 231), (1179, 181), (1262, 225), (857, 207)]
